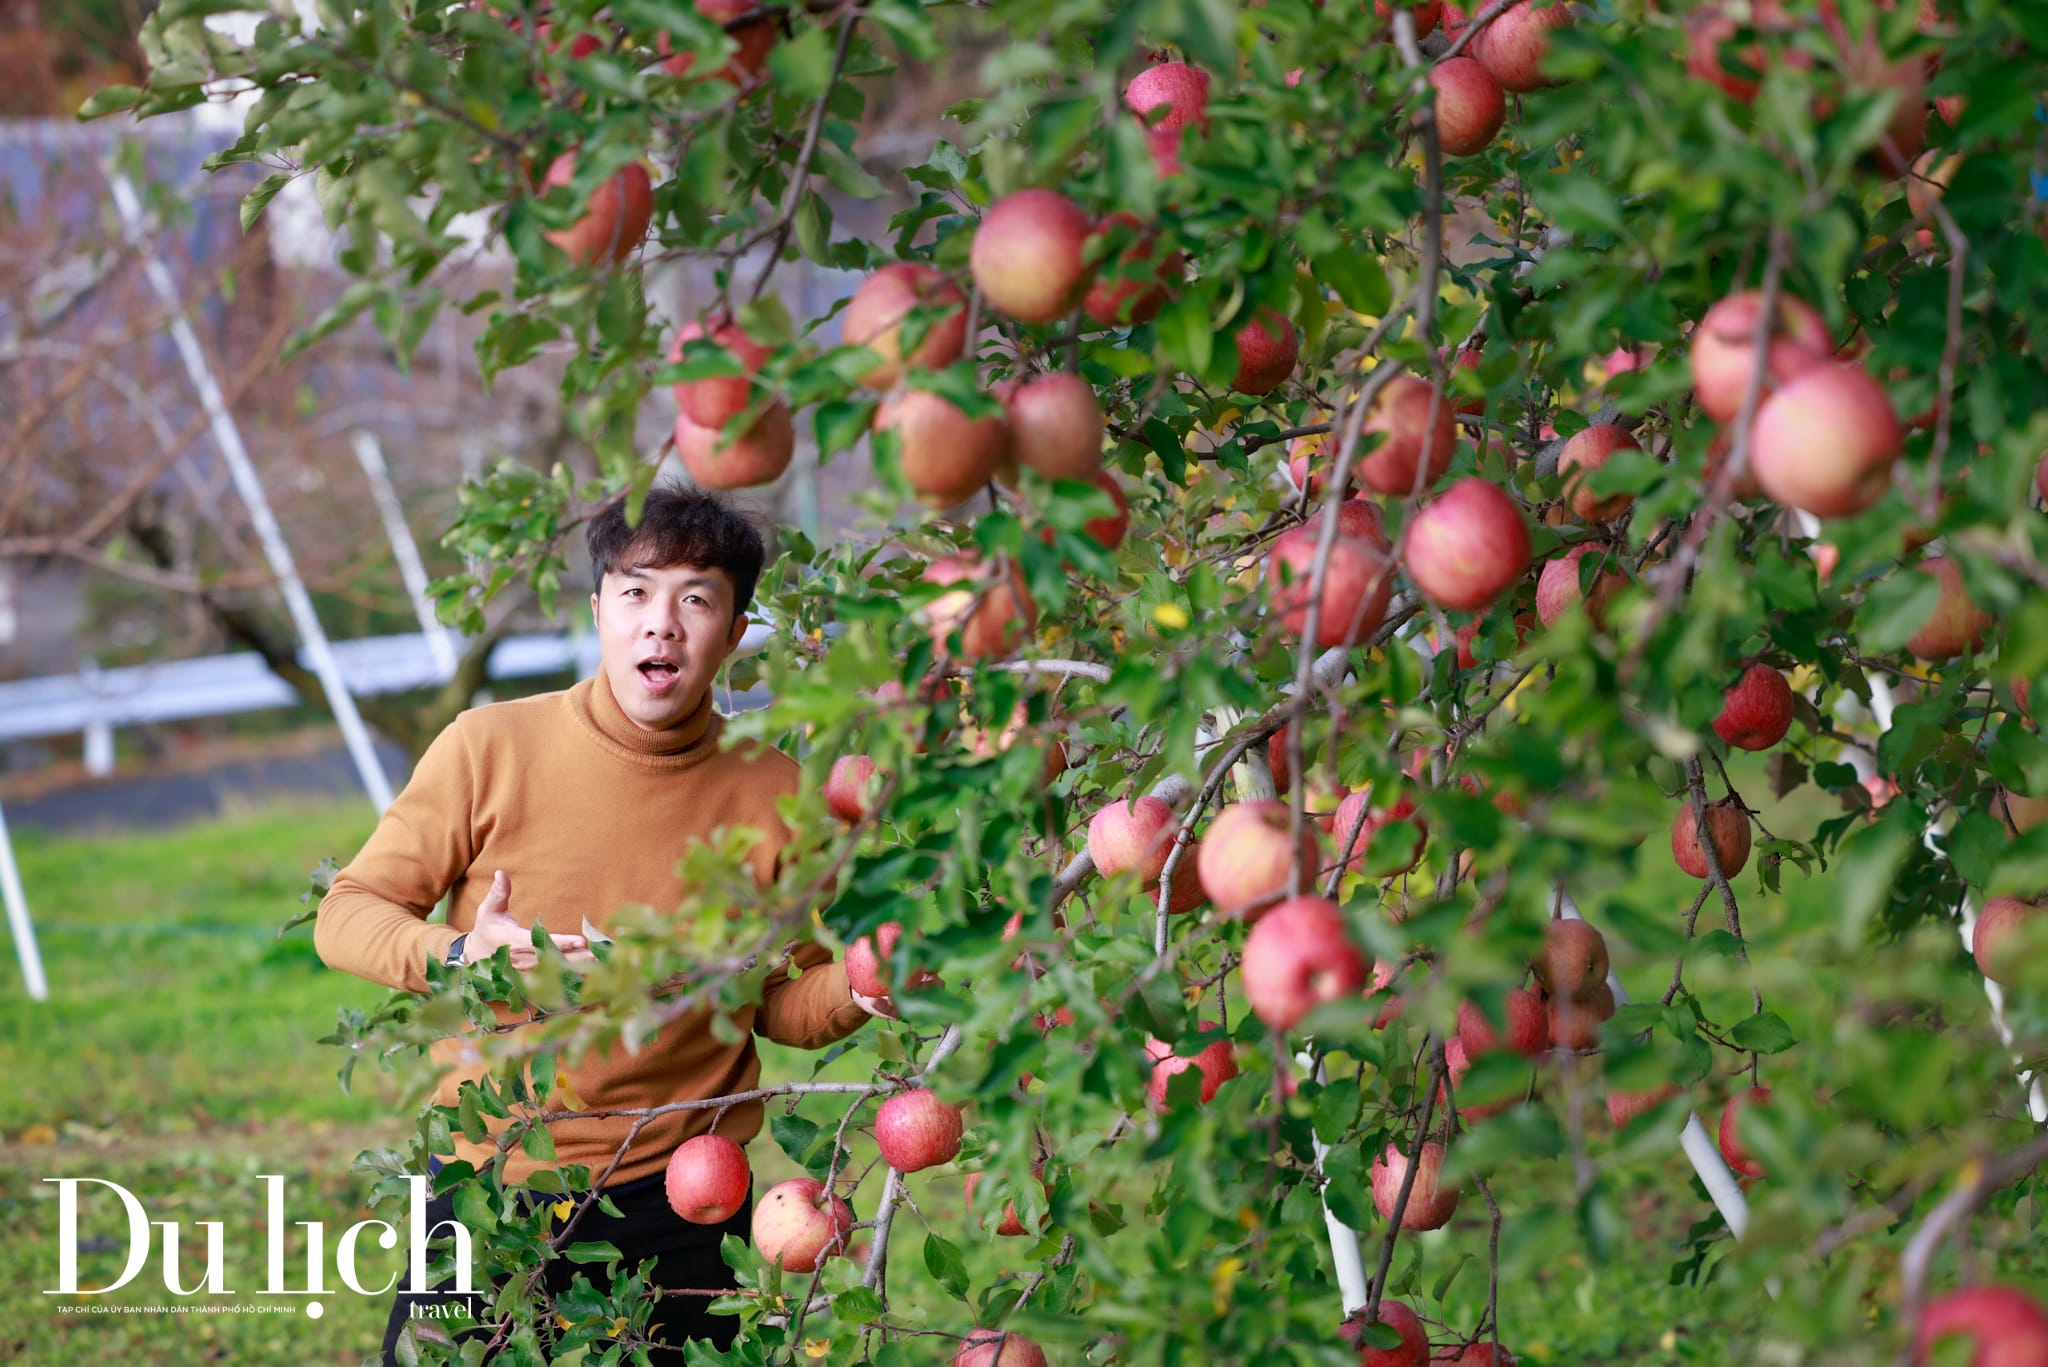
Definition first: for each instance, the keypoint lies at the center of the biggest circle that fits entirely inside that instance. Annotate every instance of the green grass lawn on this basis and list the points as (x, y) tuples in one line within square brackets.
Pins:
[(176, 1056)]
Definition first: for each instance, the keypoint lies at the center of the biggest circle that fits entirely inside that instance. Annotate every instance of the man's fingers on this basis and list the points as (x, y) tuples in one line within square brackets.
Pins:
[(498, 900), (566, 943)]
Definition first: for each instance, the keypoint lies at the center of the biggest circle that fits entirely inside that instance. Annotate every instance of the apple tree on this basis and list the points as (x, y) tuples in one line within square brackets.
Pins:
[(1386, 481)]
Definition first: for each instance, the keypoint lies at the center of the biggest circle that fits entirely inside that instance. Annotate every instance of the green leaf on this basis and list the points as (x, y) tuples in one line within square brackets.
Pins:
[(942, 1259), (258, 199), (848, 175), (794, 1135), (594, 1251), (857, 1305), (109, 100), (1763, 1033), (803, 66), (1358, 280)]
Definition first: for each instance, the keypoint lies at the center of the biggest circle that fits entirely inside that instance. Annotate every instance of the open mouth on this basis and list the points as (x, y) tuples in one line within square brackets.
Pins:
[(659, 674)]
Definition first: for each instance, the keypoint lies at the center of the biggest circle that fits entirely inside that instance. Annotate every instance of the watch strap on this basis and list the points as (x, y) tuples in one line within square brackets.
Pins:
[(453, 958)]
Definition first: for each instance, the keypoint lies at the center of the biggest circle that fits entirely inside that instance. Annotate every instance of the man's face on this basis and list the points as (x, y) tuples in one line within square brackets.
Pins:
[(661, 636)]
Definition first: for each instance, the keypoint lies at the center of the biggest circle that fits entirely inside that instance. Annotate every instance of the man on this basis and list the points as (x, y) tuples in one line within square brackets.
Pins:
[(567, 806)]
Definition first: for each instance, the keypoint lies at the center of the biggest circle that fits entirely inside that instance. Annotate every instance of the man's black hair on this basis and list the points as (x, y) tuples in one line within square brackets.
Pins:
[(679, 526)]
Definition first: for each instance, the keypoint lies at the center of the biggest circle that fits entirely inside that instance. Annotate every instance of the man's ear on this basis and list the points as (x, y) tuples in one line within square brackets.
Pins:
[(739, 629), (593, 606)]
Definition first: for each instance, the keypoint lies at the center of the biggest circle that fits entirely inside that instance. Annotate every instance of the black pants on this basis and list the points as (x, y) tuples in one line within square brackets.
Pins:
[(686, 1256)]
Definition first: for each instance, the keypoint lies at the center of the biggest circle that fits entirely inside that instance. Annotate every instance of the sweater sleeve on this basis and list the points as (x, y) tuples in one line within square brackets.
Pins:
[(373, 921), (813, 1010)]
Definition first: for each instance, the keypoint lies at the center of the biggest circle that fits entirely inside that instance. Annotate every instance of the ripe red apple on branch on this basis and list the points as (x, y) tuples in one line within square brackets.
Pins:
[(916, 1130), (1056, 425), (1011, 1225), (718, 399), (2008, 932), (881, 307), (1727, 827), (1358, 583), (1248, 856), (1429, 1205), (1757, 712), (1169, 98), (1585, 452), (1267, 348), (1724, 349), (1470, 106), (708, 1179), (615, 218), (1419, 435), (1412, 1351), (998, 1348), (989, 610), (849, 787), (1217, 1063), (946, 457), (1029, 255), (1729, 1138), (1826, 441), (798, 1225), (868, 961), (1467, 546), (757, 456), (1299, 956), (2008, 1327)]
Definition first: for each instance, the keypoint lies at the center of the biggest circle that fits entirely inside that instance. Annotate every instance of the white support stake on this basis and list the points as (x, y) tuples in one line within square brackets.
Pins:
[(440, 641), (228, 438), (1715, 1174), (1344, 1250), (18, 921)]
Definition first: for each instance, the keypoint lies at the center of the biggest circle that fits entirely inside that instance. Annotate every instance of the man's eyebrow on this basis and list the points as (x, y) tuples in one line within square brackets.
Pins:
[(700, 579)]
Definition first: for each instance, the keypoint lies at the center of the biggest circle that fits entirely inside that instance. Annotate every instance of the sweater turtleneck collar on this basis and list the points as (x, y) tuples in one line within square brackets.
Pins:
[(689, 739)]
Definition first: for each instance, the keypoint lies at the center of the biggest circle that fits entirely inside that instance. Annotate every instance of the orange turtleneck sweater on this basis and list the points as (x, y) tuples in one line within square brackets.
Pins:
[(586, 812)]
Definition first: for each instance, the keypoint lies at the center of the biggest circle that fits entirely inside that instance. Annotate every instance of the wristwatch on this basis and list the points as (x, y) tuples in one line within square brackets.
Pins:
[(454, 957)]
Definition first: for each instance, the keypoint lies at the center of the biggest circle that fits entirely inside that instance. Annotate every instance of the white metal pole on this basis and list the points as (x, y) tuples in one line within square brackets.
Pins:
[(1344, 1250), (228, 437), (404, 549), (1715, 1174), (18, 921)]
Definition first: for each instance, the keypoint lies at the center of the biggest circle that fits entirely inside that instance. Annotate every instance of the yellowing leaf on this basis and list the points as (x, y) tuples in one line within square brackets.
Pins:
[(1172, 616), (816, 1348), (563, 1208)]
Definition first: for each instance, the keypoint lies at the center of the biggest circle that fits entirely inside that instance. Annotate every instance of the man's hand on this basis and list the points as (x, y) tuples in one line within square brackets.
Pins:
[(495, 926), (883, 1006)]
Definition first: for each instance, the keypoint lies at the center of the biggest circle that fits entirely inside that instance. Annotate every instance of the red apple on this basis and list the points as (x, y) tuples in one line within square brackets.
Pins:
[(1740, 1159), (915, 1130), (1472, 405), (1757, 712), (885, 300), (1169, 98), (757, 456), (995, 1348), (1428, 1207), (1359, 823), (1358, 582), (1136, 292), (1056, 425), (848, 787), (1710, 28), (868, 959), (1109, 531), (2041, 478), (1724, 350), (1267, 348), (1957, 625), (1557, 588), (1728, 827), (1297, 957), (1414, 444), (798, 1224), (1575, 1024), (1484, 1354), (990, 609), (946, 457), (1217, 1062), (1012, 1225), (2008, 1327), (1248, 856), (1413, 1350), (1513, 46), (1528, 1027), (1425, 12), (1028, 255), (1467, 546), (1826, 441), (708, 1179), (716, 401), (2002, 936), (1574, 958), (1470, 106), (1308, 465), (614, 220), (1584, 453), (1135, 837), (1623, 1106), (755, 40)]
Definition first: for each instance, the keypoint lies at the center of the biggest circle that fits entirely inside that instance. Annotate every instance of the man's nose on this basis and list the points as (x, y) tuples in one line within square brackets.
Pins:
[(666, 622)]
